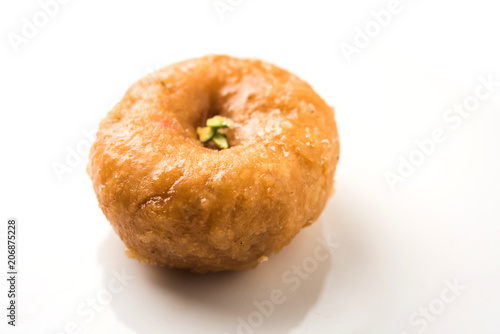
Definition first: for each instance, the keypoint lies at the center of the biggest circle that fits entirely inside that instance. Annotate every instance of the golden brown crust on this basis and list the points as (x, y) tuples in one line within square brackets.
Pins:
[(176, 203)]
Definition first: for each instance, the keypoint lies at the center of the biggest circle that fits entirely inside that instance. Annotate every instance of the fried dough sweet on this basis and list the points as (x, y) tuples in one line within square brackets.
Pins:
[(178, 203)]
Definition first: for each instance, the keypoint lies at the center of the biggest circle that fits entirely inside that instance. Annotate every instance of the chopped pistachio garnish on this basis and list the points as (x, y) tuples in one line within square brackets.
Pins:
[(205, 134), (213, 131), (220, 122), (220, 140)]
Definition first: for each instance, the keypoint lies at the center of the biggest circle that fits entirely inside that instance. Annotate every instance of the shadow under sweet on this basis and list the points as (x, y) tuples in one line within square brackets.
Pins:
[(275, 297)]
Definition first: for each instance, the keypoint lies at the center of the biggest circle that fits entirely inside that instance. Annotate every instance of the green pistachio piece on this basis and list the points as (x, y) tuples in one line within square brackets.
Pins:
[(220, 140), (220, 122), (205, 134)]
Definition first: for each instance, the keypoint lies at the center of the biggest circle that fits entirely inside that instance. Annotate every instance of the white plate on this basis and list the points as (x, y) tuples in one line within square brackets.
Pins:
[(421, 259)]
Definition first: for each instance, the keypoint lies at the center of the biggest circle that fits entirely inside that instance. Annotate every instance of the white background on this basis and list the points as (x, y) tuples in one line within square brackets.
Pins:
[(397, 248)]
